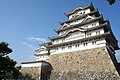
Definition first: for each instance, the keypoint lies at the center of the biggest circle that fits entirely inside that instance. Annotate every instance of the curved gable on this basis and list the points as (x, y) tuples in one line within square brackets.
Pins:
[(90, 6), (77, 9), (74, 30), (74, 35)]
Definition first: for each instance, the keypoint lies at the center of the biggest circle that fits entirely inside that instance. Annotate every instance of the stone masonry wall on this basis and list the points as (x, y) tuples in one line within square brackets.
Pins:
[(31, 73), (91, 64)]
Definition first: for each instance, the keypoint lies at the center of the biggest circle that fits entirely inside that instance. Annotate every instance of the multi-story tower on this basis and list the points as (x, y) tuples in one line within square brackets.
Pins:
[(84, 48), (85, 29)]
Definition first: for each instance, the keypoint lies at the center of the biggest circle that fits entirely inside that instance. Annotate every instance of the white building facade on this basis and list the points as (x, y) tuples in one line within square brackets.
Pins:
[(84, 29), (42, 54)]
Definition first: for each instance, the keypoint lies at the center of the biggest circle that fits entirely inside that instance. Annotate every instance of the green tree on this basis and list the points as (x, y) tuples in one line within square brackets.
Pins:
[(4, 49), (111, 1), (7, 65)]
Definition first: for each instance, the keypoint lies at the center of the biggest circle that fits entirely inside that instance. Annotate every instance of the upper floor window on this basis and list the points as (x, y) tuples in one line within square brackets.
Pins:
[(89, 34), (63, 47), (84, 12), (73, 16), (80, 12), (93, 42), (97, 32), (85, 44), (69, 46), (94, 24), (77, 45)]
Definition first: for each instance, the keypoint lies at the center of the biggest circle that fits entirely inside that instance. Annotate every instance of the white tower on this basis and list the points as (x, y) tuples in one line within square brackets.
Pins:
[(42, 54)]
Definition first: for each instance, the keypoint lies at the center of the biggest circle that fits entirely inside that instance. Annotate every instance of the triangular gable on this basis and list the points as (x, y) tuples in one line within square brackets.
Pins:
[(78, 8), (75, 10), (88, 18), (64, 26)]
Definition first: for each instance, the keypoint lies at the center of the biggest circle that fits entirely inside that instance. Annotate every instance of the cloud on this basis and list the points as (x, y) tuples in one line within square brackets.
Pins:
[(29, 46), (40, 40), (33, 43)]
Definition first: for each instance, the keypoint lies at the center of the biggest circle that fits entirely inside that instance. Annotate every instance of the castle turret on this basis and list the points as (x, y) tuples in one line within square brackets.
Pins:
[(42, 54)]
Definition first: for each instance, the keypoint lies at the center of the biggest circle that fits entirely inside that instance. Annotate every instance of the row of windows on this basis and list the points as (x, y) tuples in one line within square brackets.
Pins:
[(76, 45), (42, 57), (77, 14), (34, 68), (97, 32), (86, 26), (93, 25), (89, 34)]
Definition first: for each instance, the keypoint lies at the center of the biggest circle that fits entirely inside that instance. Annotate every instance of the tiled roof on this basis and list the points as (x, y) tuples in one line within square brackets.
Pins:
[(95, 12), (80, 8), (96, 27), (100, 18), (83, 39)]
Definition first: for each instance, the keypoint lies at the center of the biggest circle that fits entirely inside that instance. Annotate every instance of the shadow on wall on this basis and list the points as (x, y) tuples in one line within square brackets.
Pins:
[(113, 57), (46, 71)]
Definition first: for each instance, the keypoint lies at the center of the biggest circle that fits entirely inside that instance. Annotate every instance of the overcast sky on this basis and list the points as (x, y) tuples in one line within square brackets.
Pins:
[(25, 24)]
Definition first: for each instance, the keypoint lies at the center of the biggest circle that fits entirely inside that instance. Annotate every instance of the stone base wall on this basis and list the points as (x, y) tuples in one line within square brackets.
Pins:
[(30, 73), (91, 64)]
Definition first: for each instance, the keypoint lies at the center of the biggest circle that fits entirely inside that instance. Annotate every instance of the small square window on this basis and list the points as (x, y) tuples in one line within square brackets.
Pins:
[(93, 42), (69, 47), (97, 32), (77, 45), (85, 44), (94, 24), (63, 48), (84, 12), (89, 34)]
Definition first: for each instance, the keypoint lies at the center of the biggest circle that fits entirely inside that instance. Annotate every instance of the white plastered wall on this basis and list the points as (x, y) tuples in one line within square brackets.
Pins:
[(42, 57), (99, 43), (32, 64), (81, 12)]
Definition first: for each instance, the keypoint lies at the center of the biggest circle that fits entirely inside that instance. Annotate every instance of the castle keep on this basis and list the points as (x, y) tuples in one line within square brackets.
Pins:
[(83, 50)]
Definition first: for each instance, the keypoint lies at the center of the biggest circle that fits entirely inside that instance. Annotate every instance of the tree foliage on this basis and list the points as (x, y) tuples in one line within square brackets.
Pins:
[(4, 49), (7, 65), (111, 1)]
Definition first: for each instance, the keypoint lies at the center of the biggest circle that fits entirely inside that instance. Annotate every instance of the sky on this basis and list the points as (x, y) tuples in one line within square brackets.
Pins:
[(25, 24)]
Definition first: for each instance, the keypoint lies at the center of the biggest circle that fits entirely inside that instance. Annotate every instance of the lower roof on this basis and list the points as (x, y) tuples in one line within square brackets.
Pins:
[(34, 62), (102, 25)]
